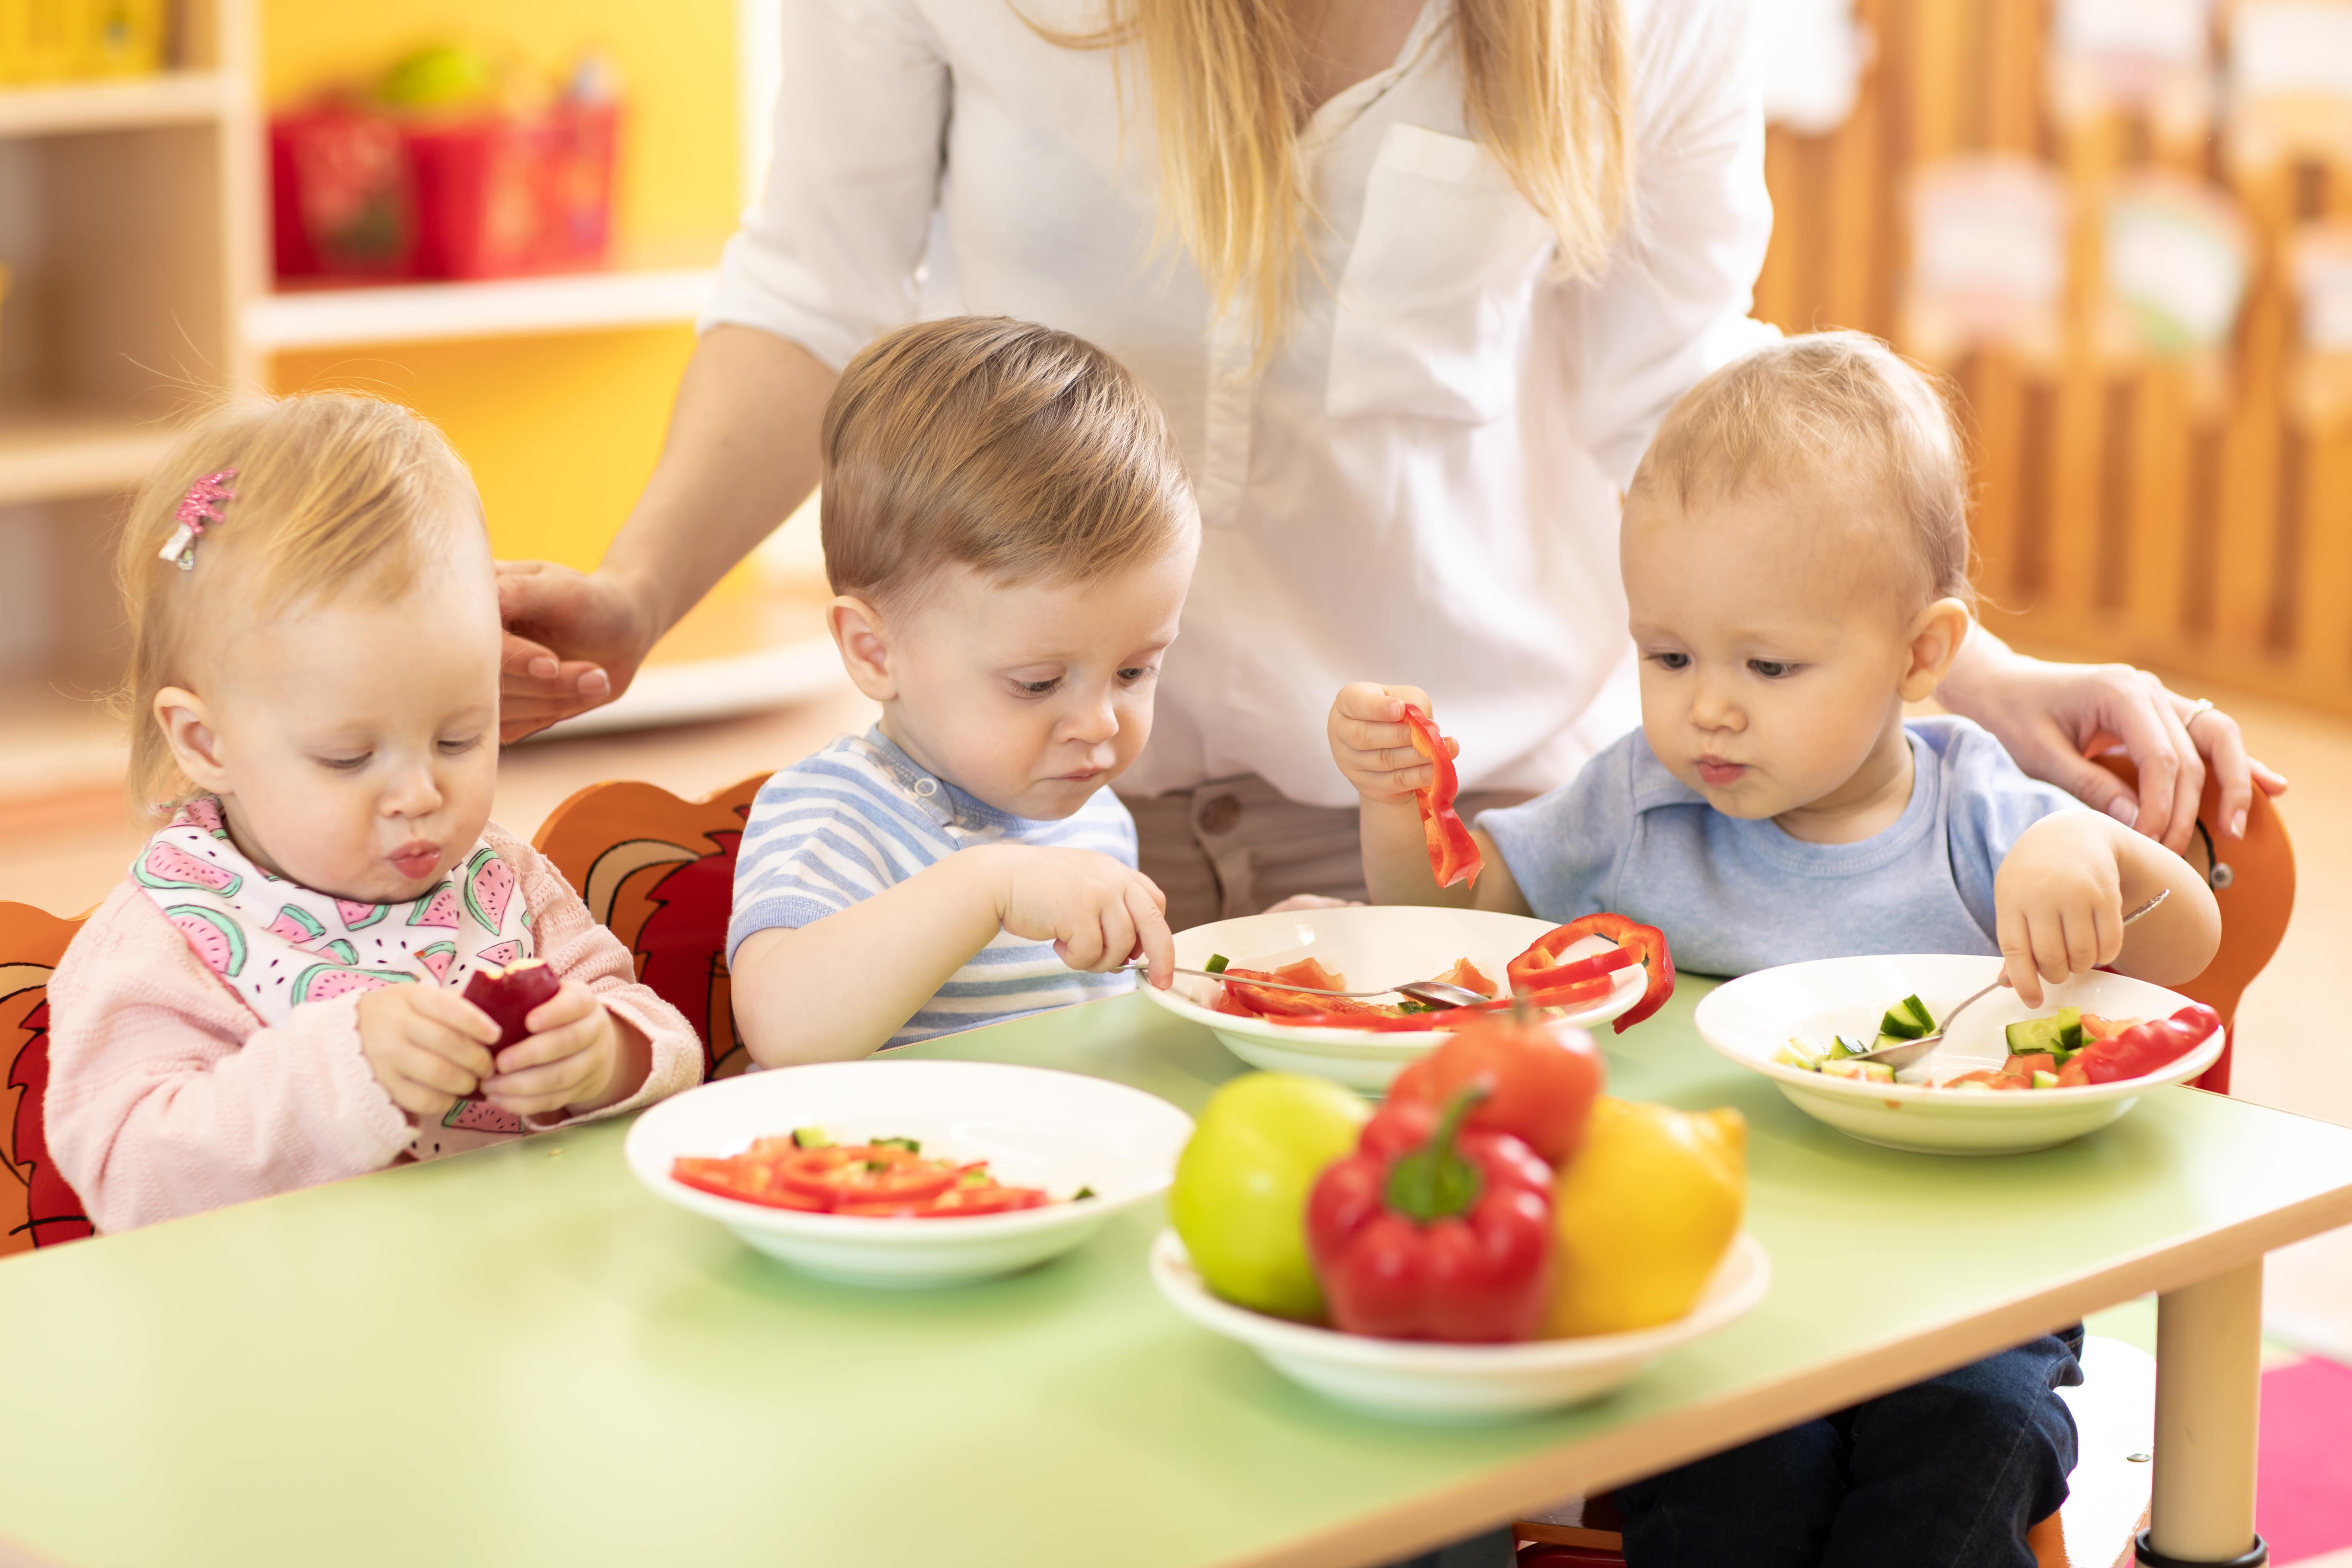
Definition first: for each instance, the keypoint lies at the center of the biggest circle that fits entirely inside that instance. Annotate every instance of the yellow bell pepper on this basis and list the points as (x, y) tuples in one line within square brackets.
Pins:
[(1645, 1210)]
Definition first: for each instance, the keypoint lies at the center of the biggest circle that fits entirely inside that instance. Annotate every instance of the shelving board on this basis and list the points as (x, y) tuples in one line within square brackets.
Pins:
[(173, 98), (508, 307), (45, 455)]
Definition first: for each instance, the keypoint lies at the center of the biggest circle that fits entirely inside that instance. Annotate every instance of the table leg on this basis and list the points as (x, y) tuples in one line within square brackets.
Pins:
[(2208, 1386)]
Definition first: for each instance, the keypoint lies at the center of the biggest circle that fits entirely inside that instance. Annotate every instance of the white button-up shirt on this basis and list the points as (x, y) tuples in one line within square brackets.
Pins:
[(1421, 486)]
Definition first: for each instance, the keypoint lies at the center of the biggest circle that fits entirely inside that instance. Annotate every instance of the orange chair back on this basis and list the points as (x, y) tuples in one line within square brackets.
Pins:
[(660, 873), (2253, 881), (37, 1207)]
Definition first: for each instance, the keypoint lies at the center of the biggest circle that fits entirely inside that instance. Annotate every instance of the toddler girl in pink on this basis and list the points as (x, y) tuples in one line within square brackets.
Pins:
[(272, 997)]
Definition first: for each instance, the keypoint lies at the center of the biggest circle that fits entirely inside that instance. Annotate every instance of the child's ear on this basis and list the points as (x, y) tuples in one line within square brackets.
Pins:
[(1936, 639), (858, 631), (188, 726)]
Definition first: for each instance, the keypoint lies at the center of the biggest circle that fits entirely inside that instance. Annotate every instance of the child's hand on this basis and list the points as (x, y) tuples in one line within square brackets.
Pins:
[(1373, 743), (1096, 913), (571, 1057), (427, 1045), (2058, 899)]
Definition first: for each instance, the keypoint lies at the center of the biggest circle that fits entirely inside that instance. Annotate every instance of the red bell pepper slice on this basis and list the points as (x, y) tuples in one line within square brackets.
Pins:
[(1646, 942), (743, 1178), (864, 1173), (1267, 1003), (1452, 853), (1433, 1231), (2146, 1048)]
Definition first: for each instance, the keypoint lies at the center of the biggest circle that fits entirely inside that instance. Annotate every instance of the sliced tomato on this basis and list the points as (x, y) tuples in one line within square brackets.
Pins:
[(1310, 972), (748, 1180), (1465, 975), (2097, 1029), (958, 1202), (1990, 1079), (1267, 1003), (864, 1173)]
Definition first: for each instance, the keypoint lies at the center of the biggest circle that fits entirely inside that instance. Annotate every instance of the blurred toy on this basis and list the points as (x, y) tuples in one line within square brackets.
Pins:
[(2152, 57), (2290, 82), (456, 164), (2178, 260), (62, 40), (1987, 259)]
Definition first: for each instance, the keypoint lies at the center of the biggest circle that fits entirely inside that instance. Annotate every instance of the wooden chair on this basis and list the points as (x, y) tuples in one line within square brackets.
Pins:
[(661, 872), (37, 1207), (2253, 881)]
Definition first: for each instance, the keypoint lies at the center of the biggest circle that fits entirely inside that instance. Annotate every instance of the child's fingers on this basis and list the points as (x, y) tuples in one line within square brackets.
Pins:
[(1158, 943), (452, 1012), (1080, 946), (419, 1064), (2108, 925), (572, 1001), (536, 1091), (2050, 957), (2082, 937), (1119, 938), (429, 1038), (1366, 700), (2016, 940), (553, 1045), (1413, 696), (426, 1104)]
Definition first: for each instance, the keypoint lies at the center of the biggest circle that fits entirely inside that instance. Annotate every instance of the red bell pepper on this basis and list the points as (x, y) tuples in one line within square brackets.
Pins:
[(1452, 853), (1539, 964), (1430, 1231), (2145, 1047), (1265, 1002), (1325, 1014), (1540, 1079)]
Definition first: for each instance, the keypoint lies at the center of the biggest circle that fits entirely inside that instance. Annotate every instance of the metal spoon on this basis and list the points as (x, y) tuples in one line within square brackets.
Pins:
[(1437, 993), (1910, 1051)]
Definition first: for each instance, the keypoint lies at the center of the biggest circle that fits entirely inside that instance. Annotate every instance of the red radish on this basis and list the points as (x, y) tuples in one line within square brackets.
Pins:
[(510, 995)]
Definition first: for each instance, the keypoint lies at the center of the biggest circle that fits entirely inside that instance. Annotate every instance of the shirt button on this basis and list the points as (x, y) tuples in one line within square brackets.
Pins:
[(926, 787), (1220, 814)]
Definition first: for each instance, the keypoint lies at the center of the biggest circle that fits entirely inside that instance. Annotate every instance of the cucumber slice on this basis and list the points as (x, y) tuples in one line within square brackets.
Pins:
[(1794, 1055), (2059, 1033), (1907, 1019), (2045, 1081)]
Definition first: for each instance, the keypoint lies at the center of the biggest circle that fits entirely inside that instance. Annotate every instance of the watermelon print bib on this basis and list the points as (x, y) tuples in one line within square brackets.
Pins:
[(277, 945)]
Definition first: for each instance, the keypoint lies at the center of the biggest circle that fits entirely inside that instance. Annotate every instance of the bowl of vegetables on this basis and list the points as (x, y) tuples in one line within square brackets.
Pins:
[(1496, 1238), (2008, 1080), (909, 1173), (1584, 977)]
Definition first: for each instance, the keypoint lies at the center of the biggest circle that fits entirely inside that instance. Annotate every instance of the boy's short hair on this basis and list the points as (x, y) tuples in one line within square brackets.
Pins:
[(1835, 409), (1023, 453)]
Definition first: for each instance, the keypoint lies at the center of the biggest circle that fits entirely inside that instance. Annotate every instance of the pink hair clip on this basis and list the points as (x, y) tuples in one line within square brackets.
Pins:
[(199, 507)]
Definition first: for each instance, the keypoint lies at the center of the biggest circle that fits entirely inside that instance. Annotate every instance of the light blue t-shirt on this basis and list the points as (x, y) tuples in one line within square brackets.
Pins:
[(860, 817), (1734, 895)]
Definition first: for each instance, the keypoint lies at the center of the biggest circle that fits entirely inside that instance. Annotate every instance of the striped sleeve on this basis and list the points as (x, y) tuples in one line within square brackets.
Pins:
[(824, 835)]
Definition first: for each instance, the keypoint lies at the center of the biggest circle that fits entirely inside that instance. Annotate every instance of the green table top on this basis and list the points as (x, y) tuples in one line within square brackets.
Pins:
[(522, 1356)]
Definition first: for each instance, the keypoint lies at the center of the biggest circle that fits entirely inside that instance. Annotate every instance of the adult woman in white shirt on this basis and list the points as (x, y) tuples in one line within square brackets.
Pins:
[(1414, 282)]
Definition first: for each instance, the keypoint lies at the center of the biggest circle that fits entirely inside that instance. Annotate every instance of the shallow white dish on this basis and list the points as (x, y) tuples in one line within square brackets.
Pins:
[(1035, 1128), (1421, 1380), (1749, 1018), (1371, 945)]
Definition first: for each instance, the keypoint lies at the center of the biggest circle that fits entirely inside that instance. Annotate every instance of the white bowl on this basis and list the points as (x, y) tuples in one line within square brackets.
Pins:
[(1419, 1380), (1749, 1018), (1058, 1131), (1371, 945)]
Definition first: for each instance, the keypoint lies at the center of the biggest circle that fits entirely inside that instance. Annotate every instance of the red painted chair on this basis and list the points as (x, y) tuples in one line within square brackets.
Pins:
[(2253, 882), (37, 1207), (660, 873)]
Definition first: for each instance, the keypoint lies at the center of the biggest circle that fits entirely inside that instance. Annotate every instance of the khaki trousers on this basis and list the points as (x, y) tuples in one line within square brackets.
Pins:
[(1233, 846)]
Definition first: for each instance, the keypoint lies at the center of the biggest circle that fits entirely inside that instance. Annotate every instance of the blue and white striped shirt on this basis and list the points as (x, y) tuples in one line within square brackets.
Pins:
[(860, 817)]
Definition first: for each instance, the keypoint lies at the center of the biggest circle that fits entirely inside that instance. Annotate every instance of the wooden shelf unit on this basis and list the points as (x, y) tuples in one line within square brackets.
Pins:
[(505, 307)]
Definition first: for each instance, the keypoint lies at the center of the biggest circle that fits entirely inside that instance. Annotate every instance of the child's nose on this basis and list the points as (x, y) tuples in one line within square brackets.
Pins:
[(1094, 723), (1713, 709), (413, 794)]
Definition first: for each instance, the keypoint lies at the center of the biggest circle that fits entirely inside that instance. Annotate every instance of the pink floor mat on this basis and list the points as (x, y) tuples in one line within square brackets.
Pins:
[(2303, 1500)]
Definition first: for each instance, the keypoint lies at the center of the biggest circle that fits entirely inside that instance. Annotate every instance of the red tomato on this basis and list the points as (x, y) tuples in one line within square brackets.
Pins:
[(1541, 1079), (742, 1178), (1465, 975), (2026, 1065), (864, 1173), (1310, 972), (961, 1201)]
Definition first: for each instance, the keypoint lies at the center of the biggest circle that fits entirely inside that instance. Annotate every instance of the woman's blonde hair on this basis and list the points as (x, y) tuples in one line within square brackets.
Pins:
[(1545, 87), (1839, 410), (1023, 453), (332, 494)]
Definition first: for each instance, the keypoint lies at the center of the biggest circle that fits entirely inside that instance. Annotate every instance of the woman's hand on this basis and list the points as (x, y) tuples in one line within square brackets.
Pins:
[(1373, 744), (2054, 718), (574, 641)]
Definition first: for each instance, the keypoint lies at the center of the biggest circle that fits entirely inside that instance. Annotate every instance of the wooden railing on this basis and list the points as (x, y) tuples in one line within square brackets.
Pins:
[(2126, 510)]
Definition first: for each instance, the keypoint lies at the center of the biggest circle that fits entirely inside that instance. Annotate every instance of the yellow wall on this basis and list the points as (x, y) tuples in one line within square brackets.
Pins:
[(560, 431)]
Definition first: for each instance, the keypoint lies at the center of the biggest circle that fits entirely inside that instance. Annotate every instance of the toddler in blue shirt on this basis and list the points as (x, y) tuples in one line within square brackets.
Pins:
[(1795, 561)]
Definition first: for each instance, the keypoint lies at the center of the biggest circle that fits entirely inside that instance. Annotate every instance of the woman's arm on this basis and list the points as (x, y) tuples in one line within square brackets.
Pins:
[(2052, 717), (742, 454)]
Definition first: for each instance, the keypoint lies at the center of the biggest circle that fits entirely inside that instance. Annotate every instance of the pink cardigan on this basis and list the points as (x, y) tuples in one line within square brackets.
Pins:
[(167, 1096)]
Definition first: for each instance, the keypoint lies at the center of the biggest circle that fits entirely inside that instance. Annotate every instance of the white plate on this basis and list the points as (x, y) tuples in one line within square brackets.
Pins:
[(1422, 1380), (1749, 1018), (1371, 945), (1035, 1128)]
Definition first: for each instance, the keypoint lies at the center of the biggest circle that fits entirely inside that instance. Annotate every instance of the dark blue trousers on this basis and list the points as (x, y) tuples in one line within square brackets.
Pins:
[(1949, 1473)]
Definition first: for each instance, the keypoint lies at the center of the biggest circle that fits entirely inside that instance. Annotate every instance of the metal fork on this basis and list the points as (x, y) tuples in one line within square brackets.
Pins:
[(1910, 1051), (1437, 993)]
